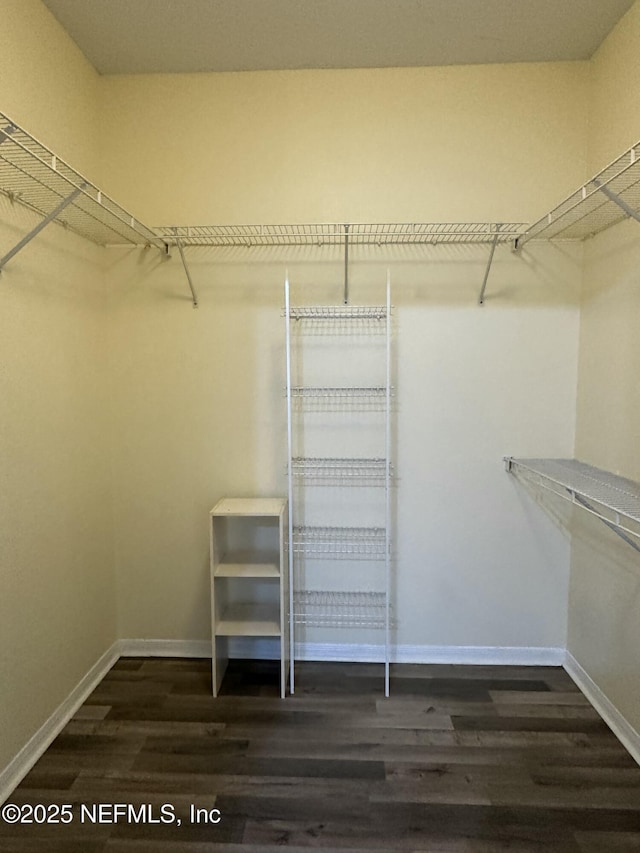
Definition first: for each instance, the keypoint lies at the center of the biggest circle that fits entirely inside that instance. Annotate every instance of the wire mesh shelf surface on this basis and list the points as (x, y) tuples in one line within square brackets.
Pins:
[(359, 392), (338, 312), (572, 478), (340, 609), (591, 208), (350, 543), (32, 175), (360, 399), (357, 233), (351, 471)]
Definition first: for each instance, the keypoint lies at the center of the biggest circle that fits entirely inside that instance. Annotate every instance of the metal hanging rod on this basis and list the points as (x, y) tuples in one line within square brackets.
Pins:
[(35, 177), (341, 234)]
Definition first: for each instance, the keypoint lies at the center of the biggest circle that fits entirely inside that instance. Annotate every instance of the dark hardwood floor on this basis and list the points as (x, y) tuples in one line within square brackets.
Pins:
[(457, 760)]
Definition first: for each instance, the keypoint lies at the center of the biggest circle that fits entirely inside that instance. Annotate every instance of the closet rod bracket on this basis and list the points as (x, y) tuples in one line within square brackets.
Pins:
[(43, 224)]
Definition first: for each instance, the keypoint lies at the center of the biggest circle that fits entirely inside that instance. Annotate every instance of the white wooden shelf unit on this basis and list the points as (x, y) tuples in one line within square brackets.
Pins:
[(613, 499), (249, 578), (35, 177), (361, 598)]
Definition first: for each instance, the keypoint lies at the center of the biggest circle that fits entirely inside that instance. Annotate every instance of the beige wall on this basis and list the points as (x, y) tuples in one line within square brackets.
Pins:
[(57, 601), (47, 86), (604, 631), (475, 143), (198, 394)]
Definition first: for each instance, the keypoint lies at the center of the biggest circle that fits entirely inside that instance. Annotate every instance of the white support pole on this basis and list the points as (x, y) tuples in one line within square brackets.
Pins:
[(287, 313), (387, 489)]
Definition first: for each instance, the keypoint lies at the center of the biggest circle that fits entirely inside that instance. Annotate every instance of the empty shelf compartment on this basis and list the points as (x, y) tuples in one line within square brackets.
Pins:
[(249, 620)]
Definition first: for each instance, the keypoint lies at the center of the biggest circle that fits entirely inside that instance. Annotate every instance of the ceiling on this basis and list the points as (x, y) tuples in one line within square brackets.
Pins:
[(155, 36)]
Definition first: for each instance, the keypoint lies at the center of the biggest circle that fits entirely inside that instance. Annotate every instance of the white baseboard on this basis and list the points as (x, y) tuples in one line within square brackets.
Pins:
[(17, 769), (259, 648), (165, 648), (622, 729), (268, 649), (473, 655)]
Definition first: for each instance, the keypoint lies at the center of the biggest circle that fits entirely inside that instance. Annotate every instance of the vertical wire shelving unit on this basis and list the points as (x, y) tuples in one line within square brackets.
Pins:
[(362, 550)]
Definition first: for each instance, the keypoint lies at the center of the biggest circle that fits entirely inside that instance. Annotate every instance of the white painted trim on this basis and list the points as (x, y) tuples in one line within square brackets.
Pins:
[(481, 655), (17, 769), (474, 655), (259, 648), (622, 729), (269, 649), (165, 648)]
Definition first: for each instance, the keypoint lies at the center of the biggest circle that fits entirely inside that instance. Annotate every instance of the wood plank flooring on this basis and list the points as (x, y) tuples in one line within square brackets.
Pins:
[(457, 760)]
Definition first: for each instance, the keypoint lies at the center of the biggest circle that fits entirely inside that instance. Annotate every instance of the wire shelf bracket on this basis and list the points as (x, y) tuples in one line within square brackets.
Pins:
[(616, 199), (35, 177), (194, 296), (39, 227), (612, 499), (494, 243)]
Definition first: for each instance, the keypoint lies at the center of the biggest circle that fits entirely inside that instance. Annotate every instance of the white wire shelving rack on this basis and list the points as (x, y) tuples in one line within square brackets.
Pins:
[(35, 177), (613, 499), (609, 197), (363, 607)]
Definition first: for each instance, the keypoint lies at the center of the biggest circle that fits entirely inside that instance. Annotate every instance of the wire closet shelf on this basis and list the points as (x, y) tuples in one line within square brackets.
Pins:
[(329, 609), (609, 197), (343, 471), (34, 176), (613, 499), (329, 234)]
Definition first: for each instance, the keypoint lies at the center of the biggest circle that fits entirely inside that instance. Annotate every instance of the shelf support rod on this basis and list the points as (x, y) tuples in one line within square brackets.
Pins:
[(4, 133), (488, 269), (615, 198), (35, 231), (346, 264), (186, 269), (610, 524)]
